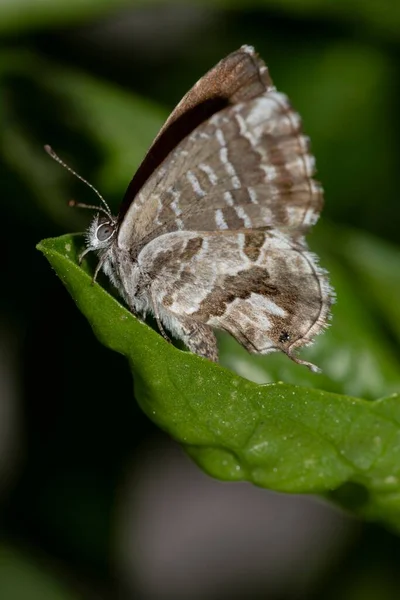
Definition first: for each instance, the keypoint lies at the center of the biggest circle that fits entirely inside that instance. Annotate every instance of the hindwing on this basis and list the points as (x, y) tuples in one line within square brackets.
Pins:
[(264, 288)]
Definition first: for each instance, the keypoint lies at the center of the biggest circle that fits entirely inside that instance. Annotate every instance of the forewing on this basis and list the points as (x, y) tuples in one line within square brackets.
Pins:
[(262, 287), (248, 166), (239, 77)]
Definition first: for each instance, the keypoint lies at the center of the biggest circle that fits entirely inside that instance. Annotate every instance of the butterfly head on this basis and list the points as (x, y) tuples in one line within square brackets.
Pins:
[(99, 238), (102, 229), (101, 232)]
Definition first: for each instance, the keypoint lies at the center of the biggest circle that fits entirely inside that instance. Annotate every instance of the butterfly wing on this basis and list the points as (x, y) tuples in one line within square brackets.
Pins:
[(262, 287), (246, 165), (240, 76)]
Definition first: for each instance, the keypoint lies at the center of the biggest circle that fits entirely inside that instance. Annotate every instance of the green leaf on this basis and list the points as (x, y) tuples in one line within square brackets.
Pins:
[(380, 17), (24, 578), (282, 437), (21, 15), (377, 265), (346, 103), (121, 123), (118, 126)]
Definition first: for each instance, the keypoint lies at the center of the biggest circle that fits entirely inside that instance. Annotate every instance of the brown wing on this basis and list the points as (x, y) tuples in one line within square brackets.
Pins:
[(248, 165), (262, 287), (238, 77)]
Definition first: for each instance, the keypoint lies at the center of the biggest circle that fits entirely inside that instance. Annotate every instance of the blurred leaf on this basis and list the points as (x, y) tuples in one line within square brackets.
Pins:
[(345, 103), (21, 15), (377, 264), (382, 17), (283, 437), (101, 118), (31, 166), (22, 579), (123, 124)]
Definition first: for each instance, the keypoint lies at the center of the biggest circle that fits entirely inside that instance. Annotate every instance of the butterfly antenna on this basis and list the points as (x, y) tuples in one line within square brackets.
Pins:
[(75, 204), (55, 157)]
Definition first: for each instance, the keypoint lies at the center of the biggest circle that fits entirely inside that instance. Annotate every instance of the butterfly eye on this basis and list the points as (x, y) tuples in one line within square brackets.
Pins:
[(104, 232)]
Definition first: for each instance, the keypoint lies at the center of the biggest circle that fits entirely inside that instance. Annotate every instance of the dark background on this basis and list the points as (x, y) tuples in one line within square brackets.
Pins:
[(95, 501)]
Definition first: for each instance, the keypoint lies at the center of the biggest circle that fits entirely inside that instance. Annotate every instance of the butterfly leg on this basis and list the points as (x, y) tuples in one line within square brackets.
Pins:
[(159, 323), (313, 368), (199, 338)]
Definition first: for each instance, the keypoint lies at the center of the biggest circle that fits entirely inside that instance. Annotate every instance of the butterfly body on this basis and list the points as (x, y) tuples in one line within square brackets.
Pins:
[(211, 230)]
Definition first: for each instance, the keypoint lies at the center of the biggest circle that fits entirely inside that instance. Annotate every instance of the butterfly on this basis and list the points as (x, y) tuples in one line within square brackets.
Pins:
[(211, 231)]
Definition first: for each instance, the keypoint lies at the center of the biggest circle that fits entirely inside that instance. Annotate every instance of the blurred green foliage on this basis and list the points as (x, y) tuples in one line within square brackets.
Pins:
[(98, 96), (22, 579)]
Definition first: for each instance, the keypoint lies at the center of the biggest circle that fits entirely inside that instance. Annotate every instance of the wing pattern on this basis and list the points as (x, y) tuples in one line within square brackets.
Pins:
[(211, 232)]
